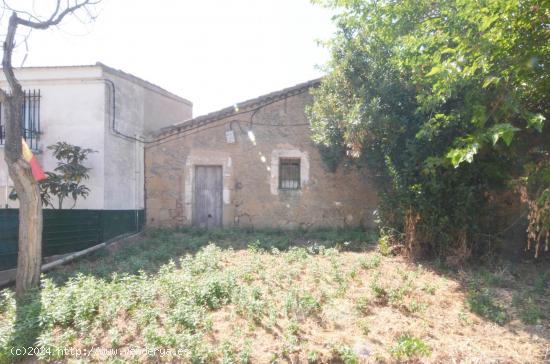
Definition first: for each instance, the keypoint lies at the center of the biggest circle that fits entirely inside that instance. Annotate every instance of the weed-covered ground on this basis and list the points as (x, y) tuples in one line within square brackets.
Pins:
[(261, 297)]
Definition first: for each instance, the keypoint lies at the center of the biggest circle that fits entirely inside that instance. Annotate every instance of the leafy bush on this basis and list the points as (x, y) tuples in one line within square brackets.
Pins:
[(187, 315), (371, 263), (380, 293), (346, 354), (65, 182), (384, 245), (409, 347), (301, 304), (250, 303), (541, 282), (446, 106), (480, 302), (362, 305), (214, 291), (530, 313), (308, 304), (430, 289)]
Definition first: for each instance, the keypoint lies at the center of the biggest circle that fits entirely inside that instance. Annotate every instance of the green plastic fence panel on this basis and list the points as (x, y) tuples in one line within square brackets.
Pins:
[(116, 222), (67, 231), (9, 222), (70, 230)]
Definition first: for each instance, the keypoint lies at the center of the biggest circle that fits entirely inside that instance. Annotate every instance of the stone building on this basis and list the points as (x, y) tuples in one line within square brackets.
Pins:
[(251, 165)]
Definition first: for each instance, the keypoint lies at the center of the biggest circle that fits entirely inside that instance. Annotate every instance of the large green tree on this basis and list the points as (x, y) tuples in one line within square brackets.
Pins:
[(446, 101)]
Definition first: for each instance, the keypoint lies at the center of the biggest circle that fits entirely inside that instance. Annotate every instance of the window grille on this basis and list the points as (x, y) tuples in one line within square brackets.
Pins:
[(289, 173), (30, 115)]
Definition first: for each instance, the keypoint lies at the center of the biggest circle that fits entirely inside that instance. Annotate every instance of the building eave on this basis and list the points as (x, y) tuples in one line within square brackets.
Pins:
[(239, 108)]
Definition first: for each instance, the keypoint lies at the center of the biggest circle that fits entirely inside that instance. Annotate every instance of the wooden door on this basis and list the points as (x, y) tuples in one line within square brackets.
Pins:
[(208, 196)]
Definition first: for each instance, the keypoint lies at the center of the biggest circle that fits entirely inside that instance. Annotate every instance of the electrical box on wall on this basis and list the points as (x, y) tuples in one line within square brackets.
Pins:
[(230, 137)]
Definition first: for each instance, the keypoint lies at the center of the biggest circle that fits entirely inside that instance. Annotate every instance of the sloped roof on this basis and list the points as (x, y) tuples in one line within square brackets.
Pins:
[(141, 81), (130, 77), (239, 108)]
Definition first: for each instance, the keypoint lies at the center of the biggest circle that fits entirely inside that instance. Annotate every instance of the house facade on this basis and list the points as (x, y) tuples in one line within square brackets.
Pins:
[(95, 107), (251, 165)]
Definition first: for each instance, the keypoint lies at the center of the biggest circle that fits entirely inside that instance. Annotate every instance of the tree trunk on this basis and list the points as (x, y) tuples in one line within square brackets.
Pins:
[(29, 260), (30, 202)]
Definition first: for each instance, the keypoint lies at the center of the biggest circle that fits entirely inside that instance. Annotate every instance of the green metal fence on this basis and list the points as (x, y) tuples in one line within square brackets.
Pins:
[(67, 231)]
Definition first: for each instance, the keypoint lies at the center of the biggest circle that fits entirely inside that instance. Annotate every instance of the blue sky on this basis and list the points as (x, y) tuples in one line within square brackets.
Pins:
[(213, 52)]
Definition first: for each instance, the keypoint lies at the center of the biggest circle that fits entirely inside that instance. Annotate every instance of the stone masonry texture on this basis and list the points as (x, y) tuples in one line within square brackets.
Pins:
[(251, 197)]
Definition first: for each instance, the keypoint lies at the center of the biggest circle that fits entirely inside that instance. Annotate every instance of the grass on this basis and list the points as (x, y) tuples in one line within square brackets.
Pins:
[(272, 296), (481, 302)]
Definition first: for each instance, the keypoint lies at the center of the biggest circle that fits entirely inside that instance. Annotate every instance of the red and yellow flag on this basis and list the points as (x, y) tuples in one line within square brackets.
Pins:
[(37, 171)]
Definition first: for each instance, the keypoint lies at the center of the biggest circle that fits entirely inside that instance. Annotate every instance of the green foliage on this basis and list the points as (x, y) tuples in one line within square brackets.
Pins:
[(301, 304), (362, 305), (346, 354), (541, 282), (444, 101), (190, 290), (380, 292), (188, 315), (384, 246), (250, 303), (66, 179), (371, 263), (364, 326), (416, 307), (409, 347), (480, 301), (312, 356), (428, 288), (530, 313)]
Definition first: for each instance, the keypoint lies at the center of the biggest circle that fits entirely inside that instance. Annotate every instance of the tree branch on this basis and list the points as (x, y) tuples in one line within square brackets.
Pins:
[(9, 44), (9, 8), (56, 17)]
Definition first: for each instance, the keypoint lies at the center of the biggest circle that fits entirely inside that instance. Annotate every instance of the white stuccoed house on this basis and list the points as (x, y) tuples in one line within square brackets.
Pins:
[(97, 107)]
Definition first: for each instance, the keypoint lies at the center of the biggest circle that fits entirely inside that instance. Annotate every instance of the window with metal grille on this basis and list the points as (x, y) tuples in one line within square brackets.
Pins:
[(289, 173), (30, 119)]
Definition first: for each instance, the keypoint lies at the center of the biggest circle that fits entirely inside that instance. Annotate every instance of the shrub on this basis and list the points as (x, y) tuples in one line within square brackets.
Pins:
[(443, 122), (187, 315), (384, 245), (214, 291), (300, 304), (250, 303), (312, 356), (480, 302), (346, 354), (409, 347), (362, 305), (380, 293), (529, 312), (371, 263), (540, 284), (428, 288), (308, 304)]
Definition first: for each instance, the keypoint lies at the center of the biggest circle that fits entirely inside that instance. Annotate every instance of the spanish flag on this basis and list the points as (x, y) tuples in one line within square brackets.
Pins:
[(37, 171)]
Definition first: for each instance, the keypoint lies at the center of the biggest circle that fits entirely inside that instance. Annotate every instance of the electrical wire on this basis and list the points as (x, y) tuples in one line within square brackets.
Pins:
[(112, 123), (193, 130)]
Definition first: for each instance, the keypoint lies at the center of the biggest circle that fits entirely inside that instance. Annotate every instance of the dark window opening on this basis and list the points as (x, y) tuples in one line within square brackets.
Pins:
[(30, 119), (289, 173)]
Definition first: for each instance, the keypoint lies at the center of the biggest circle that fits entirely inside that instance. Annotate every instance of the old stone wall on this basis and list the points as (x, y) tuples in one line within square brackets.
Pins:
[(251, 194)]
